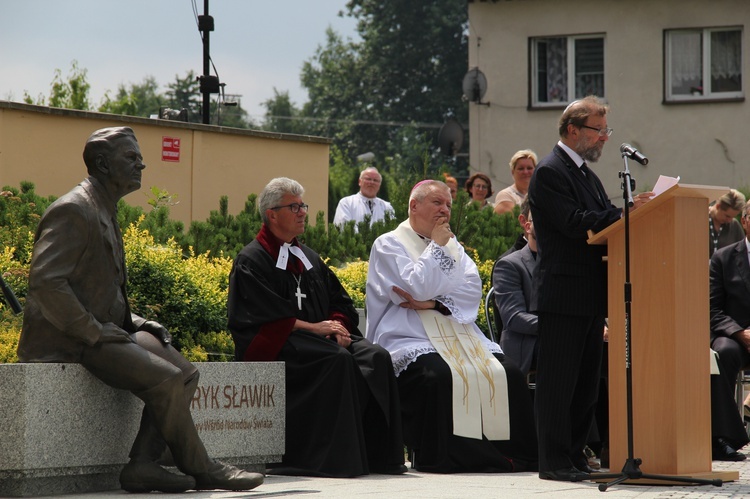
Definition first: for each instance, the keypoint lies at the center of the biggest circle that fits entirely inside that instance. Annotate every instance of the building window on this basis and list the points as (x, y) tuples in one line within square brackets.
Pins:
[(703, 64), (566, 68)]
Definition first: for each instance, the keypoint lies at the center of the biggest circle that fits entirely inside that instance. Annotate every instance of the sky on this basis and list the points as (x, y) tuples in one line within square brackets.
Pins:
[(257, 45)]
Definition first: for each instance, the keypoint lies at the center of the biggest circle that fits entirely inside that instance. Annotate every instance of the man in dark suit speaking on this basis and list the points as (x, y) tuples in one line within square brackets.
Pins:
[(567, 200), (730, 338), (77, 311)]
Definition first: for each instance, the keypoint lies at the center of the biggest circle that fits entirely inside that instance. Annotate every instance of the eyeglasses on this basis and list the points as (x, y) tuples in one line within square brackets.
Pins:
[(601, 131), (370, 179), (294, 207), (481, 187)]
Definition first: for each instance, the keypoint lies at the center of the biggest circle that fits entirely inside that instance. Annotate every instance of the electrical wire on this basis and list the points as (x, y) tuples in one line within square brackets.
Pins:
[(354, 122)]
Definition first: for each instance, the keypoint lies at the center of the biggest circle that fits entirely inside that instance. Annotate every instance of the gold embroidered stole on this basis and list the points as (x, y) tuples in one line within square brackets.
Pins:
[(480, 388)]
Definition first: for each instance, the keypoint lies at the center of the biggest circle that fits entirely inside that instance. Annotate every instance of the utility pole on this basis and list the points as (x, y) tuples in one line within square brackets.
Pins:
[(208, 84)]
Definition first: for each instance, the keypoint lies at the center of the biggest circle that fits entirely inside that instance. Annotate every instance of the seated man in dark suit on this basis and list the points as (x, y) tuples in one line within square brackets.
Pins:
[(730, 338), (511, 278)]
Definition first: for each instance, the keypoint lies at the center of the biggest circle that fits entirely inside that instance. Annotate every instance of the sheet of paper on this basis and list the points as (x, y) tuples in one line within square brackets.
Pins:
[(663, 183)]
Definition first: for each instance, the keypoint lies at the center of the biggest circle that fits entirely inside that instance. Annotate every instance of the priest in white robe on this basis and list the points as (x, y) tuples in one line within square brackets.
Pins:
[(465, 407)]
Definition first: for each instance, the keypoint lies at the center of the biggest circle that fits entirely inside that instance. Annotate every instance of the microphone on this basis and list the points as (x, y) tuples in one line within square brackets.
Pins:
[(632, 153)]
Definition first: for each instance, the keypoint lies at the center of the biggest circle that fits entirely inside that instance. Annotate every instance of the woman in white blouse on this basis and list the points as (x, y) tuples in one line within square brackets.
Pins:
[(522, 166)]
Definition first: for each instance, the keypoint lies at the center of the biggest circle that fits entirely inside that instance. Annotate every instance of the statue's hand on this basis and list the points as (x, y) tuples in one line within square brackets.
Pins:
[(114, 334), (157, 330)]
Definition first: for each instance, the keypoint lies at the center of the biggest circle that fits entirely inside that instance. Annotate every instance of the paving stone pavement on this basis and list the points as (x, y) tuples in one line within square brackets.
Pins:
[(471, 486)]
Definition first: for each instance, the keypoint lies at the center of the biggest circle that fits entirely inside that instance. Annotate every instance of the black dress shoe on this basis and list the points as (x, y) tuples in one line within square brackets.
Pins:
[(723, 451), (390, 469), (147, 477), (564, 475), (584, 466), (226, 477), (587, 469)]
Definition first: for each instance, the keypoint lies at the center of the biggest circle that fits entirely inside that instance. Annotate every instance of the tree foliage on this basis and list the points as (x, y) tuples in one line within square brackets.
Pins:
[(138, 99), (69, 93), (141, 99), (406, 71), (282, 115)]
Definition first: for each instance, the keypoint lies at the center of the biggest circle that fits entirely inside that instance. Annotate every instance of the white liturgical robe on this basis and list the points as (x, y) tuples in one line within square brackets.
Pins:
[(453, 280), (429, 271)]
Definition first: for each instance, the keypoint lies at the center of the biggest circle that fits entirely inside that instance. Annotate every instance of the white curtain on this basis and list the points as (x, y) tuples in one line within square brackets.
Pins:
[(557, 69), (685, 56), (726, 54)]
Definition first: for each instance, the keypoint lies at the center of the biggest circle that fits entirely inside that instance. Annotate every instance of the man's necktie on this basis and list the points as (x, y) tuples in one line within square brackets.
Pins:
[(370, 204), (590, 178)]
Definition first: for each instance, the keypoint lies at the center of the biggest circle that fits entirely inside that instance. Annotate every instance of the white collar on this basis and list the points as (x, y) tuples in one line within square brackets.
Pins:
[(296, 251)]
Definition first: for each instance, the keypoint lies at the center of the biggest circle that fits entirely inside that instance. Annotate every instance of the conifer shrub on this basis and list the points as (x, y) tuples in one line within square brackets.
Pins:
[(181, 279)]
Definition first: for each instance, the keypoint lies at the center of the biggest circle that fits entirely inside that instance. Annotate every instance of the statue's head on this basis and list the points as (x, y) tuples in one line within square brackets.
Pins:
[(112, 156)]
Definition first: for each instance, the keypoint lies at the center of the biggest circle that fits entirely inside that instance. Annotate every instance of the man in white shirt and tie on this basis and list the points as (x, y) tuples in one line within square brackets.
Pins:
[(364, 203)]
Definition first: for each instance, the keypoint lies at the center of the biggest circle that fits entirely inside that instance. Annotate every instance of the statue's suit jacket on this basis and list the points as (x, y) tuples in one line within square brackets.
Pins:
[(77, 278), (512, 280)]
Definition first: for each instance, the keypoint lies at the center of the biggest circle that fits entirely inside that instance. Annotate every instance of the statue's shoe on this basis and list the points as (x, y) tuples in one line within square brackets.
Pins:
[(148, 477), (226, 477)]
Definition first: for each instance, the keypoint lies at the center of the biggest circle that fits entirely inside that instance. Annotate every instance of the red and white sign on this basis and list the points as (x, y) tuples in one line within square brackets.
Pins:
[(170, 149)]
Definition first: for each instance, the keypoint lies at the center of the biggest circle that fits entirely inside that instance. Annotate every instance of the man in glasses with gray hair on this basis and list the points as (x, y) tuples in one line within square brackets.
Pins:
[(343, 417)]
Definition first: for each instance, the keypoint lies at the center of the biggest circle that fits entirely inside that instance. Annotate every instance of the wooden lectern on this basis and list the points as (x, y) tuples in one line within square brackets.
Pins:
[(669, 334)]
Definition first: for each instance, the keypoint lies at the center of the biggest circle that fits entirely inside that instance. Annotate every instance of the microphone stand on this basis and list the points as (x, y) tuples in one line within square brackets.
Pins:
[(631, 470)]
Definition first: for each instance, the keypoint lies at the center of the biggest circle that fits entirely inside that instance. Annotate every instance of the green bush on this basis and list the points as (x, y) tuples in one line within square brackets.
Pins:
[(186, 294), (180, 279), (353, 277), (10, 330)]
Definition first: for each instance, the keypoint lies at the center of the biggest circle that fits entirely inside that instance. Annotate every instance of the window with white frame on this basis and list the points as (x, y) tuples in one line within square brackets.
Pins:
[(566, 68), (703, 64)]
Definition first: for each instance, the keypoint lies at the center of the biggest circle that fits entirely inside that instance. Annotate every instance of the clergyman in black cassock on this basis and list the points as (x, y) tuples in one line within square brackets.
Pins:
[(342, 409)]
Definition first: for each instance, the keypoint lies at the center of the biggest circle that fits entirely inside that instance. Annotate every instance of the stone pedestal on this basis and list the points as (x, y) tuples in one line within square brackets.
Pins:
[(64, 431)]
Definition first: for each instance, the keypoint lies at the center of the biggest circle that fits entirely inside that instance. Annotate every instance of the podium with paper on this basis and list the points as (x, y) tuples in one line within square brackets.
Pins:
[(669, 318)]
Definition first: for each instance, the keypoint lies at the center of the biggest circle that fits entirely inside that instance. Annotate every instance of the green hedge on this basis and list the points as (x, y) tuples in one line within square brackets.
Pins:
[(180, 279)]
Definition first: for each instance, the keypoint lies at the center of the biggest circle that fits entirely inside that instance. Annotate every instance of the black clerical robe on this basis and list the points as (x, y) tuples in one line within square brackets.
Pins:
[(342, 409)]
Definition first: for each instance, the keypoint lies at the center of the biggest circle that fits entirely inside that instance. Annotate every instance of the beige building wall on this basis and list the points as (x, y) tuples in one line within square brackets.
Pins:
[(45, 145), (703, 143)]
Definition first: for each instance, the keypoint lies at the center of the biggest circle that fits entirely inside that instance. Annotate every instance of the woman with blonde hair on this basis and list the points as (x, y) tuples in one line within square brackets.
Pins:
[(723, 227), (522, 166)]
